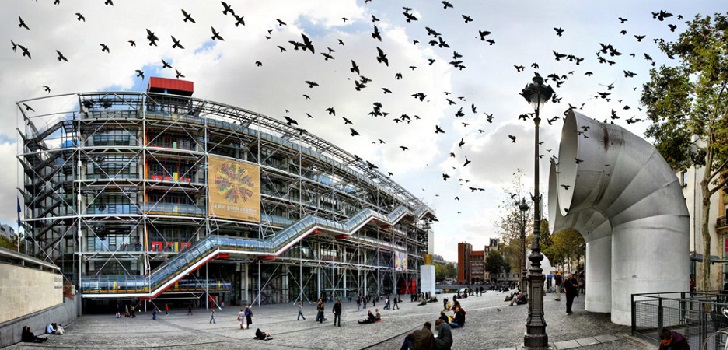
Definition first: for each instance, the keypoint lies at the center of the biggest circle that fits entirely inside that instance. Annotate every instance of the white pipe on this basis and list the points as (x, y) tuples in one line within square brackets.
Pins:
[(611, 183)]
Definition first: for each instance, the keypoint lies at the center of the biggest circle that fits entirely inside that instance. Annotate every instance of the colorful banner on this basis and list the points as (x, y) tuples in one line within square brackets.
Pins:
[(234, 189), (400, 261)]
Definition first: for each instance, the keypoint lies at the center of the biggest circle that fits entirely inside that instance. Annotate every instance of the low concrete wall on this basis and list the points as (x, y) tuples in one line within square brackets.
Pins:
[(24, 290), (65, 313)]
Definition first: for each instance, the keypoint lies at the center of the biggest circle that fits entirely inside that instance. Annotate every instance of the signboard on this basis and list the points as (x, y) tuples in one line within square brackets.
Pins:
[(400, 261), (234, 189)]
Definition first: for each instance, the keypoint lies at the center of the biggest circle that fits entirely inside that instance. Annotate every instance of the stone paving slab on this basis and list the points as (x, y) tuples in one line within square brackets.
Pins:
[(587, 341), (490, 324), (603, 338), (566, 344)]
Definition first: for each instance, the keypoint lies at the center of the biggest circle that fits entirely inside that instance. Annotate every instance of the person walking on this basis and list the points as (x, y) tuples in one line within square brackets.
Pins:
[(320, 311), (118, 310), (241, 318), (337, 313), (571, 289), (557, 282), (189, 310), (132, 312), (248, 317), (396, 302), (154, 313), (364, 299), (300, 311), (386, 303), (358, 302), (166, 309), (212, 316)]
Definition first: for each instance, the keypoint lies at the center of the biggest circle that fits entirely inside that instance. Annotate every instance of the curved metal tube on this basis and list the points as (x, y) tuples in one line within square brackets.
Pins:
[(618, 191)]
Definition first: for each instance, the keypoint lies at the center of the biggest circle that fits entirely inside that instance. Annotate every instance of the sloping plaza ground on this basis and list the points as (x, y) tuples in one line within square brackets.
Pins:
[(490, 324)]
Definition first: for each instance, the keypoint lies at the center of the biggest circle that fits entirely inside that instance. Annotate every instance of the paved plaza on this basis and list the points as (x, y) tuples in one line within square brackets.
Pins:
[(490, 324)]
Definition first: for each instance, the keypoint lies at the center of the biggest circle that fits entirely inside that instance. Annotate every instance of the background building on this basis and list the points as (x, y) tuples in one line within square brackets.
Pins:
[(132, 194), (464, 269)]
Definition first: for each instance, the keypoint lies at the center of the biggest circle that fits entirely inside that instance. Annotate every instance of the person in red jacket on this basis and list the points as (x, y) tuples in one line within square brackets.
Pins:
[(671, 340)]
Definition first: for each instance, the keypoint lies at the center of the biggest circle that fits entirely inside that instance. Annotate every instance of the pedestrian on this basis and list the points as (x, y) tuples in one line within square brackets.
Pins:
[(118, 310), (132, 312), (671, 340), (320, 311), (248, 317), (374, 301), (241, 318), (166, 309), (396, 302), (557, 282), (189, 310), (358, 302), (444, 335), (337, 313), (364, 299), (212, 316), (386, 303), (300, 311), (571, 289), (154, 313)]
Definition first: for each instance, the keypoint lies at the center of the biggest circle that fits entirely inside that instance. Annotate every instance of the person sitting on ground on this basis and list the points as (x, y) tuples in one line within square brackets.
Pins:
[(422, 339), (28, 336), (519, 299), (51, 328), (262, 335), (444, 317), (444, 335), (370, 318), (459, 320), (671, 340), (377, 315), (423, 302)]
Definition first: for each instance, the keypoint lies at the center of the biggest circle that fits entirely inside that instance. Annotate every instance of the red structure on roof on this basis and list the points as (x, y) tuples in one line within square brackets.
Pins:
[(171, 86)]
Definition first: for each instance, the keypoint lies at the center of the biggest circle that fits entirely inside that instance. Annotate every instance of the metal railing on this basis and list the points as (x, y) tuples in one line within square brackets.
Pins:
[(696, 315)]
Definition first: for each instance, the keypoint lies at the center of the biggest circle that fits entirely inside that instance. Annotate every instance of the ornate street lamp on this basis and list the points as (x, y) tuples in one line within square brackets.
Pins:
[(523, 207), (536, 93)]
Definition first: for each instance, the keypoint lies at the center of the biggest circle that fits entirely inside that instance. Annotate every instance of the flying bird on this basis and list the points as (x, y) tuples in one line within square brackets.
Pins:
[(215, 34), (26, 52), (28, 108), (22, 24), (80, 17), (404, 148), (375, 34), (178, 75), (132, 43), (281, 23), (152, 38), (382, 57), (566, 187), (513, 138), (187, 17), (290, 121), (47, 89), (353, 132), (466, 161), (140, 73), (105, 47), (446, 4), (354, 68), (467, 19), (239, 20), (438, 129), (311, 84), (307, 43), (331, 111), (60, 56), (461, 143), (176, 43), (559, 31), (165, 64), (227, 8)]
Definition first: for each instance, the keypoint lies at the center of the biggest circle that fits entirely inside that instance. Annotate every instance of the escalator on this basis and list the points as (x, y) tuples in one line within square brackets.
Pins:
[(211, 246)]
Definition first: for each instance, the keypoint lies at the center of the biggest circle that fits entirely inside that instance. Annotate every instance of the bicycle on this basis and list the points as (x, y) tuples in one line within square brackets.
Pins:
[(710, 336)]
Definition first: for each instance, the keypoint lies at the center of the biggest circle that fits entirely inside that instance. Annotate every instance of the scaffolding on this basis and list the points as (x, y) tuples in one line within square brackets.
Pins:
[(115, 193)]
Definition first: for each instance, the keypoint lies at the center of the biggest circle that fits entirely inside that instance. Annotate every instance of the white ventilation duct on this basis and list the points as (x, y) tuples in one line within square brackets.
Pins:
[(618, 191)]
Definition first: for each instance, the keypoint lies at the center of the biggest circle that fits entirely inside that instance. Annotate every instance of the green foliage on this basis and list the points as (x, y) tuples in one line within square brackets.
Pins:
[(11, 244), (495, 263), (691, 99), (566, 243), (545, 240), (443, 271)]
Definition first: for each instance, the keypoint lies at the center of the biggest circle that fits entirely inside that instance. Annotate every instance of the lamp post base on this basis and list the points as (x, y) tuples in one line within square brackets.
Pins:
[(536, 341)]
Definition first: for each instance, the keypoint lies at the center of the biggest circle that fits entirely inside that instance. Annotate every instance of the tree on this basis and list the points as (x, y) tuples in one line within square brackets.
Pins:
[(691, 99), (567, 244), (11, 243), (495, 263), (546, 241), (443, 271)]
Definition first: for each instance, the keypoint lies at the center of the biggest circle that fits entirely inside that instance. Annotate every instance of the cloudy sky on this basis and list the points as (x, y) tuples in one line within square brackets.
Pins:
[(486, 83)]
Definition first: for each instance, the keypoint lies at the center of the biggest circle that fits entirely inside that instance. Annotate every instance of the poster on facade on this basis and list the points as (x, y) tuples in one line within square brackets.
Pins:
[(234, 189), (400, 261)]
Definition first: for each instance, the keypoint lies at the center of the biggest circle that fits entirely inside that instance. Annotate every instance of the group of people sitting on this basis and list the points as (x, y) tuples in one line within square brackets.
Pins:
[(519, 298), (29, 336), (424, 339), (372, 317)]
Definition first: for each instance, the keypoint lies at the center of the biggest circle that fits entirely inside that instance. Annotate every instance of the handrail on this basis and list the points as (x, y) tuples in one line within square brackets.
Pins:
[(207, 248)]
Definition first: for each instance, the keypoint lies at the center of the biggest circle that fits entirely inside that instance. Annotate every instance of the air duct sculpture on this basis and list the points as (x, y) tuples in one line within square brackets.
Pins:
[(618, 191)]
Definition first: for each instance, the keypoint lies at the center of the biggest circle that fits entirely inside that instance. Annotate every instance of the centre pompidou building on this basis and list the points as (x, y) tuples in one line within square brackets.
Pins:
[(159, 195)]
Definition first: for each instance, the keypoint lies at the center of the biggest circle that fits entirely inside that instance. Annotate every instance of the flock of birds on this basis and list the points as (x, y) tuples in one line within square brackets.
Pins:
[(606, 54)]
